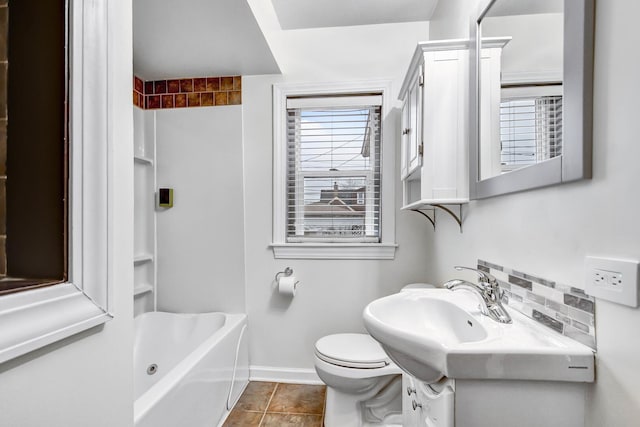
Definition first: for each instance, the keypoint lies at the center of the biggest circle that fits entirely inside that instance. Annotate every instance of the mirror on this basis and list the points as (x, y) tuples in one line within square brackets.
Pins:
[(531, 79)]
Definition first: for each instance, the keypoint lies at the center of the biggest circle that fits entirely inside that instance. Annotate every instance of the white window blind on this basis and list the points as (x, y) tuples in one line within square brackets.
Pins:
[(530, 130), (333, 168)]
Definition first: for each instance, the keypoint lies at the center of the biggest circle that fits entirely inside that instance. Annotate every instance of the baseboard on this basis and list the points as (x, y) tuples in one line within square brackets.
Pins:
[(284, 375)]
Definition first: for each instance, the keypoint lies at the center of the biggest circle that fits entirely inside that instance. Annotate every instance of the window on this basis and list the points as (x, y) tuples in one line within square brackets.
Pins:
[(329, 184), (530, 128), (333, 169), (48, 314)]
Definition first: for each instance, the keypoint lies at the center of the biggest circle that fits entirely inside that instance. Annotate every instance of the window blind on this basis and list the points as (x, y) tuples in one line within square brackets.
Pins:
[(333, 169), (530, 130)]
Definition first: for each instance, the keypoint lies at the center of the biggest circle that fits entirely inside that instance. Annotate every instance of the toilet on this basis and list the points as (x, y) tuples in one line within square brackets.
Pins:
[(363, 384), (364, 387)]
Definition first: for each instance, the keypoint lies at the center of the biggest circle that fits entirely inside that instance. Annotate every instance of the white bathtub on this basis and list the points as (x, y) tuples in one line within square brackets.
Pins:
[(189, 368)]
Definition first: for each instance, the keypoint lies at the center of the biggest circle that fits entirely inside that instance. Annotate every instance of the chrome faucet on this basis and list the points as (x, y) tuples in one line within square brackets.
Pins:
[(488, 291)]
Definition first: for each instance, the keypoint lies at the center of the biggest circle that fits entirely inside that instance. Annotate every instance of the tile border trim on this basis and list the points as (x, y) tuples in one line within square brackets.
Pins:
[(187, 92)]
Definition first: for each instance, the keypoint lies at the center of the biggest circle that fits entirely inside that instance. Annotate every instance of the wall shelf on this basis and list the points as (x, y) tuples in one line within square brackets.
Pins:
[(142, 259), (142, 289), (143, 160), (145, 276)]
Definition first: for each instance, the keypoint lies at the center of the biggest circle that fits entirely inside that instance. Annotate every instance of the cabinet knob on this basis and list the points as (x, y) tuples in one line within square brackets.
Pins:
[(410, 390), (416, 405)]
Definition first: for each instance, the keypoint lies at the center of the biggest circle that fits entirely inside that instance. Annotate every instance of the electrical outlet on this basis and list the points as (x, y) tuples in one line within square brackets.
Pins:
[(610, 279), (615, 280)]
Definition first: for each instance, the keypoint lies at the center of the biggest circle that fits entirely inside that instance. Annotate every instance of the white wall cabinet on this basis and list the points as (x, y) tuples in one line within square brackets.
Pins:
[(434, 152)]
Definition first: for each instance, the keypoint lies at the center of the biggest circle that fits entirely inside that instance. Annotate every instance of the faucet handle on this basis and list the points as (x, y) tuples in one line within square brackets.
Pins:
[(485, 278)]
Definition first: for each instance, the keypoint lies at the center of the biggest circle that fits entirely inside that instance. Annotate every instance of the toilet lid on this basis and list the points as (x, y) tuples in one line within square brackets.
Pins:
[(352, 351)]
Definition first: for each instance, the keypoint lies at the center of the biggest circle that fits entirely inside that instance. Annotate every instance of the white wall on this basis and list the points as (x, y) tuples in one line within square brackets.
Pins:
[(536, 45), (332, 294), (86, 380), (549, 231), (200, 239)]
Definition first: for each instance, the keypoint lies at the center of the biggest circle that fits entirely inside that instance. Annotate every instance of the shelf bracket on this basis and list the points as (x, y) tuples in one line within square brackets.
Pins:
[(457, 217), (424, 214)]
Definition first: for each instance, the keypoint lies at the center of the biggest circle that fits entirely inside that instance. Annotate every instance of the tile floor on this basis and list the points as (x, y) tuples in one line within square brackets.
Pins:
[(267, 404)]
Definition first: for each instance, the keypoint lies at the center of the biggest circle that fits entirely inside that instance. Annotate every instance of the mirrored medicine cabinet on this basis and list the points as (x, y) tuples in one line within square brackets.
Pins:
[(531, 79)]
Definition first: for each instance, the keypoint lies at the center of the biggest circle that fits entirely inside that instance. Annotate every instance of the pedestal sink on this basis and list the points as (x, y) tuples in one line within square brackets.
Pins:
[(435, 333)]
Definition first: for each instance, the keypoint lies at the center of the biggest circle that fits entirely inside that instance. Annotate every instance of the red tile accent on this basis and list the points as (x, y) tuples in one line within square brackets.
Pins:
[(167, 101), (199, 85), (235, 97), (148, 88), (186, 85), (213, 84), (160, 86), (173, 86), (137, 84), (221, 98), (153, 101), (226, 83), (237, 82), (206, 99), (193, 99), (181, 100), (141, 100), (135, 99)]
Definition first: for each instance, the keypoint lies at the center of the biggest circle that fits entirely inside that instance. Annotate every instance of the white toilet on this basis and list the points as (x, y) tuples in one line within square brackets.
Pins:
[(364, 387), (363, 384)]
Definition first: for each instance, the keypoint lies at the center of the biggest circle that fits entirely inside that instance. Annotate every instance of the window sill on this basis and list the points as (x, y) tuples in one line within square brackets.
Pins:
[(334, 250), (42, 316)]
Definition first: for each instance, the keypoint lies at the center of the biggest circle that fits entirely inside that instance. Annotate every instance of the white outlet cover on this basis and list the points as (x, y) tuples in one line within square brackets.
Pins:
[(626, 271)]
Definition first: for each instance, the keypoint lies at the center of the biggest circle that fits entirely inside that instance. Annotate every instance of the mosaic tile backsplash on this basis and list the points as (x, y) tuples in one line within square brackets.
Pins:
[(187, 92), (565, 309)]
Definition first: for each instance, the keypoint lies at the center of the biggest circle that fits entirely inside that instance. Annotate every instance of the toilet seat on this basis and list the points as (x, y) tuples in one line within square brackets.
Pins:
[(358, 351)]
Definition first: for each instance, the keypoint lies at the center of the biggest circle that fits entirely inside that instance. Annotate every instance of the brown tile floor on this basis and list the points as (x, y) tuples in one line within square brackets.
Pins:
[(265, 404)]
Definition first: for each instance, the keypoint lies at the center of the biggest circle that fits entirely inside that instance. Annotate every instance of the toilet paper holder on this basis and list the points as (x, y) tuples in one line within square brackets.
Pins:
[(287, 272)]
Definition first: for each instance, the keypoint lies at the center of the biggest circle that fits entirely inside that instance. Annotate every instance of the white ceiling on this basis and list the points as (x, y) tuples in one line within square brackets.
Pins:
[(525, 7), (197, 38), (299, 14)]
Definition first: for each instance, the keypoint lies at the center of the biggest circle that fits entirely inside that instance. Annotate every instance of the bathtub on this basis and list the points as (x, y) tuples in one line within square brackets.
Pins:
[(189, 369)]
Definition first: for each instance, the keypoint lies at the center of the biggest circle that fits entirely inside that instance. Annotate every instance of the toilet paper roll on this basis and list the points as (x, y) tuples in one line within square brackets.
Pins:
[(287, 285)]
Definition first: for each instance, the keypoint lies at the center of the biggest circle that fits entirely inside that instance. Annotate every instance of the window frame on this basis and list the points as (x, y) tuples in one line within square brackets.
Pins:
[(385, 248), (45, 315)]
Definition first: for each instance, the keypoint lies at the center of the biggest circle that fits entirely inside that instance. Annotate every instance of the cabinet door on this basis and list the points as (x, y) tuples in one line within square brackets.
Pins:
[(414, 155), (437, 402), (409, 415), (445, 174), (404, 140)]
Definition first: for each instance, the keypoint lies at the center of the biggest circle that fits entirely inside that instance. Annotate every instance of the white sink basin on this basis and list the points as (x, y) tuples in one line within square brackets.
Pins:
[(433, 333)]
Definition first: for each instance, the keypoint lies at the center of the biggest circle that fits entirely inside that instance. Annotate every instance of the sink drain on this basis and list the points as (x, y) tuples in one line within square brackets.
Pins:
[(152, 369)]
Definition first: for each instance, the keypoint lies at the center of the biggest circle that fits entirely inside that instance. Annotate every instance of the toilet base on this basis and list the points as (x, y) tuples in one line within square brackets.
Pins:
[(381, 406)]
